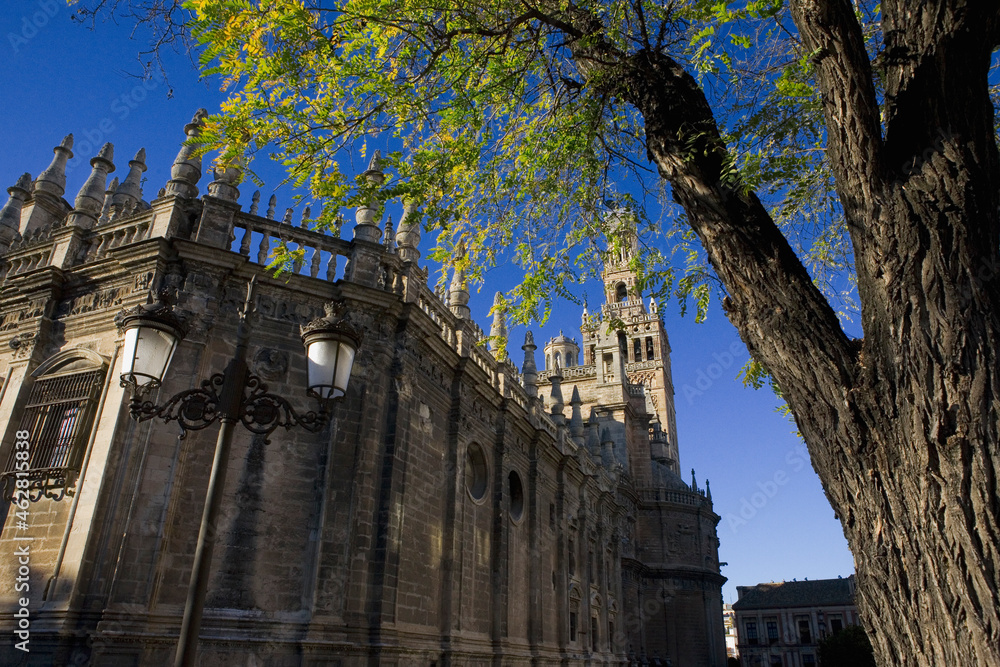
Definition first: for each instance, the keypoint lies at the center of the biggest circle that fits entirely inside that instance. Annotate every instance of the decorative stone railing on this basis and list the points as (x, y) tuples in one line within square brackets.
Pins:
[(109, 235), (326, 249), (655, 495), (570, 373), (29, 253)]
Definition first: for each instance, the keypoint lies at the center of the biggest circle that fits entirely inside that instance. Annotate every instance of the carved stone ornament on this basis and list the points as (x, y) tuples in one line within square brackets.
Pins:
[(23, 344), (270, 364)]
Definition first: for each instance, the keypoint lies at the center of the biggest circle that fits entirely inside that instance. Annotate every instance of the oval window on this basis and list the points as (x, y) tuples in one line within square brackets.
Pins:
[(475, 471), (516, 495)]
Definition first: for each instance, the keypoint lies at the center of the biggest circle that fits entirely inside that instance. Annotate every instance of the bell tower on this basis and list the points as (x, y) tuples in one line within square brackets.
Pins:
[(637, 346)]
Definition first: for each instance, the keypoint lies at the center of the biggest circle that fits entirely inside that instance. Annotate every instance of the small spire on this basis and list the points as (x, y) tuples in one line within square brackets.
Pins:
[(458, 294), (90, 199), (186, 170), (374, 166), (365, 227), (607, 448), (694, 482), (227, 178), (108, 200), (558, 404), (652, 305), (53, 180), (10, 214), (593, 436), (708, 490), (271, 204), (131, 188), (389, 236), (287, 219), (529, 372), (306, 216), (255, 202), (576, 419), (408, 236), (498, 330)]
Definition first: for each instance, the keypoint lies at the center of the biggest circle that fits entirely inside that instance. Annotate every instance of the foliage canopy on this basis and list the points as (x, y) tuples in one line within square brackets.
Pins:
[(488, 124)]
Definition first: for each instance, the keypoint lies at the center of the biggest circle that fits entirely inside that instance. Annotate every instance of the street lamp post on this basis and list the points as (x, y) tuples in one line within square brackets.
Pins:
[(152, 333)]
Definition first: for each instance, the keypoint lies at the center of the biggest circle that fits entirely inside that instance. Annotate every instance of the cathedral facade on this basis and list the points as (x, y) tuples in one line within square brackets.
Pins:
[(457, 509)]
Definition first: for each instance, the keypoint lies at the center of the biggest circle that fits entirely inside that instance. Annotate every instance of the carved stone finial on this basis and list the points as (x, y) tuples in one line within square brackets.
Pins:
[(10, 214), (272, 203), (389, 237), (558, 404), (366, 227), (458, 295), (576, 419), (408, 235), (90, 199), (306, 217), (287, 219), (694, 482), (255, 203), (498, 330), (227, 178), (607, 448), (130, 190), (529, 371), (374, 166), (186, 170), (53, 180), (593, 436), (108, 201)]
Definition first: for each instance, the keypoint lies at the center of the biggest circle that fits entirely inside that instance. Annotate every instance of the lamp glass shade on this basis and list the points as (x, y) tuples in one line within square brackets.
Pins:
[(330, 362), (146, 354)]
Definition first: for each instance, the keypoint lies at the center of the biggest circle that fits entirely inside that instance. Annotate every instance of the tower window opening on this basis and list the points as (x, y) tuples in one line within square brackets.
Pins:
[(623, 344), (621, 292), (548, 362), (649, 349), (636, 350)]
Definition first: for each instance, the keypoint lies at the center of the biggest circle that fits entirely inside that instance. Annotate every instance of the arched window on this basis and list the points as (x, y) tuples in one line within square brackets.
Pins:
[(621, 292), (57, 422), (649, 349)]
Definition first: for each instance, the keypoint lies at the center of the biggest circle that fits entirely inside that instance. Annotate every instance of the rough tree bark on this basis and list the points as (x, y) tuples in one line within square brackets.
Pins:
[(902, 427)]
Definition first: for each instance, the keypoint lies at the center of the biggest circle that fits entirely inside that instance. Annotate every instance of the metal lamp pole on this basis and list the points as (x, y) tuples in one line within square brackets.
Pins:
[(231, 398), (224, 398)]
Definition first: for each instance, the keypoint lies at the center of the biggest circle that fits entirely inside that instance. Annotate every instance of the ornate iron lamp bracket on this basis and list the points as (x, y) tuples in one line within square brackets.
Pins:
[(259, 411)]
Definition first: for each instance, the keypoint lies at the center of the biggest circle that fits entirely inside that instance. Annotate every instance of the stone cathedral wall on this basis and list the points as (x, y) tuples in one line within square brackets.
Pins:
[(443, 517)]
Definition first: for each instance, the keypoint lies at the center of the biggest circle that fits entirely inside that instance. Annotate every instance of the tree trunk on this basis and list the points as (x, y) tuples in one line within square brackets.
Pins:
[(902, 427)]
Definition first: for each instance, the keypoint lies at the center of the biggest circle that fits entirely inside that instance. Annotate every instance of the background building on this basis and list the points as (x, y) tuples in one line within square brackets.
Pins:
[(729, 623), (457, 511), (781, 625)]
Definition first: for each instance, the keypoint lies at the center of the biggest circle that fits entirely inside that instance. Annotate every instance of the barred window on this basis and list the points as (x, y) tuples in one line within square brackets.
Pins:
[(58, 417)]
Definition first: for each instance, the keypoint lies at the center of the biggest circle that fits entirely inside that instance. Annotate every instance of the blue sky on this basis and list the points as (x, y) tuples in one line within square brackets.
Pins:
[(61, 77)]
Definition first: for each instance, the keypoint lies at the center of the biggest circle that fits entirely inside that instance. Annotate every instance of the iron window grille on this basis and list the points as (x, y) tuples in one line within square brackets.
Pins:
[(58, 416)]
